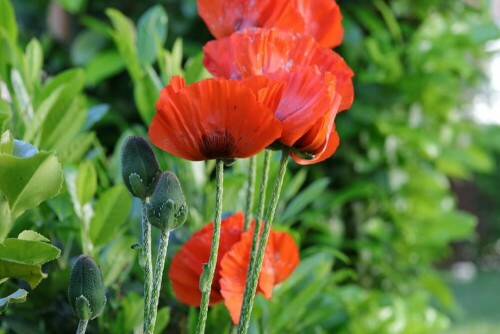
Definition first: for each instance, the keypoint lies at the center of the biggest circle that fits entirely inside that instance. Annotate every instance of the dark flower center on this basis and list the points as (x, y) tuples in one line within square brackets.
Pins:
[(217, 145)]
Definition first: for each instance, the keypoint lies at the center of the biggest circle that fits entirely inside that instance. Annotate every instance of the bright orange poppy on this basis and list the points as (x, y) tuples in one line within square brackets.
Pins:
[(319, 18), (319, 84), (263, 51), (217, 118), (281, 258)]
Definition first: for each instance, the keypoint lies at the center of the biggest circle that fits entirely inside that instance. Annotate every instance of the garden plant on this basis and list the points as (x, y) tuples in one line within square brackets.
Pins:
[(217, 166)]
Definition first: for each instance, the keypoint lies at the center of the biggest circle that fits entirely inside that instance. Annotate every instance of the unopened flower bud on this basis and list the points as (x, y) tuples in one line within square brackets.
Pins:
[(140, 169), (86, 291), (167, 208)]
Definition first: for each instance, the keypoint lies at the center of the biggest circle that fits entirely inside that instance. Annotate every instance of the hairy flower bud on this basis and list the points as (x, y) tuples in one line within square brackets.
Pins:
[(167, 208), (140, 169), (86, 291)]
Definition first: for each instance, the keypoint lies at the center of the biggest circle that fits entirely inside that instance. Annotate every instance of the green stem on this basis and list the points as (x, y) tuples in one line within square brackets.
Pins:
[(147, 263), (155, 295), (260, 214), (82, 326), (253, 277), (252, 175), (209, 270)]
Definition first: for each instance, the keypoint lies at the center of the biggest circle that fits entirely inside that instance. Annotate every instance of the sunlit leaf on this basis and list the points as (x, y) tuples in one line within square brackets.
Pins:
[(16, 297)]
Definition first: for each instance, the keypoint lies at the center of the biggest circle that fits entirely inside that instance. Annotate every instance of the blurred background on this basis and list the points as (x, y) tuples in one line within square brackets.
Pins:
[(405, 237)]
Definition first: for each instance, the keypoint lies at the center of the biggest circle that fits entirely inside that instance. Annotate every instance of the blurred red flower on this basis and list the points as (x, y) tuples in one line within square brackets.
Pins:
[(217, 118), (281, 258), (319, 18)]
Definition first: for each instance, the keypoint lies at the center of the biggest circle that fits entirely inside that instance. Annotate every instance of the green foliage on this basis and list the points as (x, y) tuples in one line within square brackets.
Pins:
[(371, 221), (23, 258), (16, 297), (38, 176)]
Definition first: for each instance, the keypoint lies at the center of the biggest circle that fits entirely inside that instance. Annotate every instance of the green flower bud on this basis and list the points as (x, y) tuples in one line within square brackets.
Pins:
[(167, 208), (140, 169), (86, 291)]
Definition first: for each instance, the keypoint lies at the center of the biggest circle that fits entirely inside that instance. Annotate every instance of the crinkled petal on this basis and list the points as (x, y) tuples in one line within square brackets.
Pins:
[(212, 119)]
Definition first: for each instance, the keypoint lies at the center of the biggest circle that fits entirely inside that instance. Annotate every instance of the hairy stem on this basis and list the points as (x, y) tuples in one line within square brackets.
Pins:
[(260, 214), (209, 270), (155, 292), (253, 276), (252, 171), (147, 264), (82, 326)]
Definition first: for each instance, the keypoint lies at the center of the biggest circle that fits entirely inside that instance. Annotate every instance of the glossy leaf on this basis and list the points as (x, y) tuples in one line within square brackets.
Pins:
[(23, 259), (16, 297), (110, 213), (26, 182), (86, 182), (152, 33)]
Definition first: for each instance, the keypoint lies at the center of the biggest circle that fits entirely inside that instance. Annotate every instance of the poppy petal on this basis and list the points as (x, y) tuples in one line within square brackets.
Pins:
[(285, 255), (234, 268), (322, 140), (213, 119), (223, 17), (269, 92), (324, 20), (263, 51), (305, 101), (187, 264)]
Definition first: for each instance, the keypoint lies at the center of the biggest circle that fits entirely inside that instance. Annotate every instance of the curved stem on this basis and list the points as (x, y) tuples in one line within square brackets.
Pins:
[(253, 277), (82, 326), (209, 270), (148, 266), (155, 293), (252, 175)]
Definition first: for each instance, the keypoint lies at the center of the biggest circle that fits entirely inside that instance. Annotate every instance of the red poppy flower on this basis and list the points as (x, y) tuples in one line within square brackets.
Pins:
[(319, 18), (319, 84), (216, 118), (321, 140), (263, 51), (280, 259)]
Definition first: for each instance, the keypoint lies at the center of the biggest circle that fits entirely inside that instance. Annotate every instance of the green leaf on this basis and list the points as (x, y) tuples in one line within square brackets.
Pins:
[(116, 260), (22, 96), (29, 181), (103, 66), (145, 94), (32, 235), (162, 320), (86, 182), (76, 148), (34, 63), (17, 297), (304, 198), (124, 35), (75, 75), (152, 33), (8, 20), (5, 219), (23, 259), (59, 115), (4, 111), (7, 143), (194, 70), (72, 6), (86, 46), (111, 211)]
